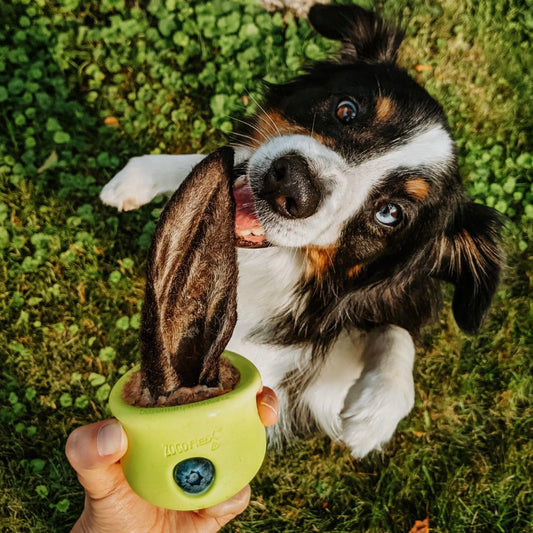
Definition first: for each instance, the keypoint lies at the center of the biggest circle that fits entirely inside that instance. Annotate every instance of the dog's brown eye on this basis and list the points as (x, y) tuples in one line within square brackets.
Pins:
[(346, 111), (389, 215)]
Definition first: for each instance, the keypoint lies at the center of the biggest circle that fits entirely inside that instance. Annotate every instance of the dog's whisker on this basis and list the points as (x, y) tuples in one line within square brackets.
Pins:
[(252, 126), (251, 140), (264, 112), (236, 144), (240, 145)]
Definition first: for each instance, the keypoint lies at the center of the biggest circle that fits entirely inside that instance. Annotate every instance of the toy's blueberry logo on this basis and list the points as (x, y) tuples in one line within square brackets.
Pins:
[(194, 476)]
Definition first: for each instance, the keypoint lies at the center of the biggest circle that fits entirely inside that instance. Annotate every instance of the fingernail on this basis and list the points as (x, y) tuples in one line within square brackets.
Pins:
[(110, 438), (270, 400), (271, 407)]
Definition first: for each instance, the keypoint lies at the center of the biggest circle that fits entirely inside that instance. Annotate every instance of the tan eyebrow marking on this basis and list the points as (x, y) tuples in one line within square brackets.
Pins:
[(418, 188), (385, 108), (273, 124)]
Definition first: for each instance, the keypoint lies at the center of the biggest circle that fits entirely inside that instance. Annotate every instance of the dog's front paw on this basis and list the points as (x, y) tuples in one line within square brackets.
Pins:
[(132, 187), (373, 408)]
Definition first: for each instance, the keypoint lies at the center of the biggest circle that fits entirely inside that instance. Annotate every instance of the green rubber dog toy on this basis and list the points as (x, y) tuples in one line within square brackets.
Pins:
[(193, 456), (183, 455)]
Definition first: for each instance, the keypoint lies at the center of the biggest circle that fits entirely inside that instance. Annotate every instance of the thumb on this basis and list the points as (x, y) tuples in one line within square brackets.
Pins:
[(93, 451)]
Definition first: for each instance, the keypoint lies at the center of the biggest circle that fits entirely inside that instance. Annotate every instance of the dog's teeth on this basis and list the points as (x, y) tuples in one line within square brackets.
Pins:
[(241, 180), (245, 232), (258, 232)]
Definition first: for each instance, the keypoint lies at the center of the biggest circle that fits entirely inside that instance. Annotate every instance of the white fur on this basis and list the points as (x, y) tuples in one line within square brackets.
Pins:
[(384, 392), (148, 176), (330, 169), (267, 278), (364, 387), (325, 395), (345, 187), (145, 177)]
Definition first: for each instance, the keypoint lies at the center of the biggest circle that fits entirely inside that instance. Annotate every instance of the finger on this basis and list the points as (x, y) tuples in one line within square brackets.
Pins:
[(228, 510), (268, 406), (93, 451)]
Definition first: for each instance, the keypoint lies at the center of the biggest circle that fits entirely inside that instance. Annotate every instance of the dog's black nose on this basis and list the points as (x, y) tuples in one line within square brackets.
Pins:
[(290, 187)]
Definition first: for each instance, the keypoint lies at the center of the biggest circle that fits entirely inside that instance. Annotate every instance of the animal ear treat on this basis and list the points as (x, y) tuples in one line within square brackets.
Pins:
[(189, 310), (195, 436)]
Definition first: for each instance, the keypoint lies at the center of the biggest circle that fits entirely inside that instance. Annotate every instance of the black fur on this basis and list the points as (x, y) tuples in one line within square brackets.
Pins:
[(472, 262), (365, 36), (444, 237)]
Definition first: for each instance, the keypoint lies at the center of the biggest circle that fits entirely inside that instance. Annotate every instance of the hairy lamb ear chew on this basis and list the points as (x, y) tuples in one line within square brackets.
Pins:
[(365, 35), (470, 256), (191, 282)]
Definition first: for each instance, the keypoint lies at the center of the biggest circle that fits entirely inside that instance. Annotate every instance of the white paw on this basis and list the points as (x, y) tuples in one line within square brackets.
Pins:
[(132, 187), (373, 408)]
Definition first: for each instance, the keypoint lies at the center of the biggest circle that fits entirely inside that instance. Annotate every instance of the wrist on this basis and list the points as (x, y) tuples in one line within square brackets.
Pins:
[(83, 525)]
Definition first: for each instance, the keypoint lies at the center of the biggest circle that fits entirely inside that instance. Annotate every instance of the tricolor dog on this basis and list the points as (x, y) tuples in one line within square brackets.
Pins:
[(350, 216)]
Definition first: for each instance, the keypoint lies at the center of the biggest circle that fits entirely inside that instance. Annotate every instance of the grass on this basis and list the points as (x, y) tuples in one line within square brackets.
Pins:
[(86, 85)]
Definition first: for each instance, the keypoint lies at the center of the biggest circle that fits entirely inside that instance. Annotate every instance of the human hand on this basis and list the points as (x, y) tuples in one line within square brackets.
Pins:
[(111, 506)]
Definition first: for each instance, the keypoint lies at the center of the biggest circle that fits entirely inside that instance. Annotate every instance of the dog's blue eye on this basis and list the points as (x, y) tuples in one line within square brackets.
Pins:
[(389, 215), (346, 111)]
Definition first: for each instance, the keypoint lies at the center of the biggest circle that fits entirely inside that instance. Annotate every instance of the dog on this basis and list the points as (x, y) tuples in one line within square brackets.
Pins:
[(350, 216)]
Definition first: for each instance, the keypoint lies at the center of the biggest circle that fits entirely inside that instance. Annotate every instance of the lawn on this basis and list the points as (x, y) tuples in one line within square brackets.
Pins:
[(85, 85)]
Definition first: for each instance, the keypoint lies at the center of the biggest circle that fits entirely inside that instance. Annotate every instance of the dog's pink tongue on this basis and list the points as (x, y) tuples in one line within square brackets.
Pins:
[(248, 229)]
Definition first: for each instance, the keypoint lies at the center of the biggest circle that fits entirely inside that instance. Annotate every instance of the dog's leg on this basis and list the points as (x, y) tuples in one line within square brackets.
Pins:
[(383, 394), (324, 396), (145, 177), (364, 388)]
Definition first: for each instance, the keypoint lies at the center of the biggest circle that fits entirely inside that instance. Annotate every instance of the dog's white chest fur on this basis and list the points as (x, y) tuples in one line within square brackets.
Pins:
[(356, 395), (267, 280)]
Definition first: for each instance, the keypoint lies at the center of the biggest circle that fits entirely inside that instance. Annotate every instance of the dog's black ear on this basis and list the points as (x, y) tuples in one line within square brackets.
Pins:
[(470, 256), (365, 35)]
